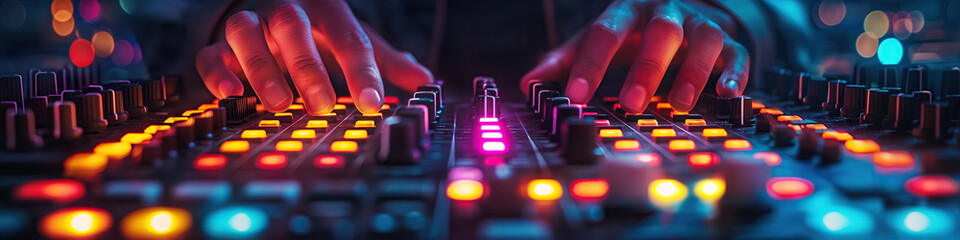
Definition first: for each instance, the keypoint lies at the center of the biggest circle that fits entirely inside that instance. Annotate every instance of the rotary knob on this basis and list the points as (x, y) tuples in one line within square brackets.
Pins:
[(578, 138), (854, 97), (877, 100), (90, 112), (934, 122), (398, 142), (154, 94)]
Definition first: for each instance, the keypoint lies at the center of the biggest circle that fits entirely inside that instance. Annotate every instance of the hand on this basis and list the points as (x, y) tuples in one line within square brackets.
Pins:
[(291, 36), (665, 27)]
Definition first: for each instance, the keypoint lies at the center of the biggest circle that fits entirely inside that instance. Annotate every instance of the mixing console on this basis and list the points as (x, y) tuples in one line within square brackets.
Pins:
[(871, 156)]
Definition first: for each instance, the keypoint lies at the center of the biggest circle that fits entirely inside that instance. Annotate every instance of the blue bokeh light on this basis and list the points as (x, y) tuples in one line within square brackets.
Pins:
[(921, 221), (890, 51), (235, 222), (840, 220)]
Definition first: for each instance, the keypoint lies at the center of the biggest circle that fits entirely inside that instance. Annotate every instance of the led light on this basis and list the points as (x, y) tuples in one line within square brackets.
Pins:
[(771, 111), (589, 189), (373, 115), (153, 129), (289, 146), (53, 190), (788, 118), (317, 124), (465, 190), (271, 161), (647, 123), (929, 222), (695, 122), (714, 132), (136, 138), (601, 122), (757, 105), (344, 100), (355, 134), (678, 113), (187, 113), (703, 159), (235, 223), (84, 164), (710, 190), (175, 119), (304, 134), (840, 220), (114, 150), (816, 126), (840, 136), (343, 147), (890, 51), (663, 105), (339, 107), (667, 194), (156, 223), (651, 159), (210, 161), (664, 132), (206, 106), (656, 99), (789, 188), (544, 190), (626, 145), (489, 127), (896, 159), (771, 158), (932, 186), (235, 146), (611, 133), (491, 135), (365, 123), (283, 114), (737, 145), (494, 146), (489, 120), (391, 100), (253, 134), (328, 161), (329, 115), (862, 146), (269, 123), (682, 145), (384, 107), (295, 107), (75, 223)]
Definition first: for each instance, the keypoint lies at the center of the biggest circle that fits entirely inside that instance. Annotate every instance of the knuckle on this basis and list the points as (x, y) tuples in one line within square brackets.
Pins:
[(286, 14), (651, 65), (703, 67), (305, 62), (589, 63), (259, 61), (666, 28), (355, 40), (602, 32), (709, 31), (241, 22)]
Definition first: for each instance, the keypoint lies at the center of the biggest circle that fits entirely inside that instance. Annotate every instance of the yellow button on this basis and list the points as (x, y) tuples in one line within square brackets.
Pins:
[(343, 147), (664, 132), (317, 124), (355, 134), (714, 132), (788, 118), (385, 107), (339, 107), (626, 145), (295, 107), (113, 150), (235, 146), (664, 105), (862, 146), (737, 144), (75, 223), (365, 123), (289, 146), (175, 119), (695, 122), (611, 133), (682, 145), (156, 223), (84, 164), (136, 138), (253, 134), (303, 134), (204, 107), (648, 123), (269, 123), (187, 113), (373, 115), (544, 190), (153, 129), (282, 114), (328, 115), (679, 113)]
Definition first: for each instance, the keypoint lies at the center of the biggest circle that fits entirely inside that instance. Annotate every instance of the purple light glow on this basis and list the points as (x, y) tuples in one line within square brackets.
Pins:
[(490, 127), (494, 146), (491, 135), (488, 120)]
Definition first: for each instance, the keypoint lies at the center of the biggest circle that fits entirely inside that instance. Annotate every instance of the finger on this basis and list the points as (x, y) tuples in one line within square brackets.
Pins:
[(400, 68), (555, 66), (290, 28), (353, 51), (662, 37), (704, 42), (246, 38), (218, 78), (735, 71), (598, 46)]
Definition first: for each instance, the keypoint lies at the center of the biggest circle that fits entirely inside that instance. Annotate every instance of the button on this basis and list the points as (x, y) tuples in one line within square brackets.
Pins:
[(626, 145), (156, 223), (153, 129), (663, 134), (789, 188), (113, 150), (320, 125), (146, 192), (714, 134), (894, 159), (270, 161), (932, 186), (136, 138), (737, 145), (204, 191), (840, 136), (589, 189), (84, 164), (355, 134), (329, 161), (667, 194), (236, 222), (343, 146), (695, 125), (235, 146), (269, 123), (678, 145), (283, 117), (289, 146), (53, 190), (365, 124), (611, 133), (703, 159), (210, 161), (399, 142), (75, 223), (544, 190), (771, 158), (304, 134), (862, 146), (578, 141), (465, 190)]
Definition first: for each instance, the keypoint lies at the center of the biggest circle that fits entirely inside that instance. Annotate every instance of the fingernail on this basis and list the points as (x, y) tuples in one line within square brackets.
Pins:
[(685, 97), (577, 90), (275, 96), (729, 88), (369, 98), (228, 88), (634, 99), (319, 102)]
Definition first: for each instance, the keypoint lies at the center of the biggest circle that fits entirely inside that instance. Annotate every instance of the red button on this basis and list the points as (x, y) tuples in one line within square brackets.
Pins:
[(272, 161), (789, 188), (328, 161), (55, 190), (211, 161), (932, 186)]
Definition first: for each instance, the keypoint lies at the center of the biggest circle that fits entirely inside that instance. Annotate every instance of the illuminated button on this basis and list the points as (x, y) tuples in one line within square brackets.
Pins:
[(299, 100), (789, 188), (840, 136), (114, 150), (235, 146), (771, 111), (210, 161), (156, 223), (710, 190), (647, 123), (330, 117), (788, 118), (656, 99), (695, 122), (896, 159), (611, 133), (489, 127), (328, 161), (289, 146), (491, 135), (175, 119), (384, 107), (663, 105), (365, 123), (544, 190), (53, 190), (136, 138), (489, 120), (703, 159), (494, 147), (205, 106), (295, 107), (757, 105), (343, 147), (714, 134), (601, 122), (465, 190), (339, 107), (667, 194), (75, 223), (795, 127), (932, 186), (682, 145), (258, 134), (187, 113), (589, 189), (651, 159), (771, 158), (626, 145), (271, 161), (923, 222), (235, 223), (679, 116), (153, 129), (664, 132), (737, 145), (816, 126), (84, 164), (317, 124), (269, 123), (862, 146), (391, 100), (344, 100), (355, 134), (283, 117)]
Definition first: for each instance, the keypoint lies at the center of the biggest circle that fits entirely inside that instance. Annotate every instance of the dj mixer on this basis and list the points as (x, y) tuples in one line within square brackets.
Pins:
[(868, 157)]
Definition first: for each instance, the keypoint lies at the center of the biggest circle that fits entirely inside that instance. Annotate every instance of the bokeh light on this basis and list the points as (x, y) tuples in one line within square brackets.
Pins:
[(103, 43), (122, 53), (921, 221), (156, 223), (918, 20), (876, 23), (832, 12), (12, 14), (61, 5), (89, 9), (890, 51), (81, 52), (901, 25), (840, 220), (62, 16), (867, 45)]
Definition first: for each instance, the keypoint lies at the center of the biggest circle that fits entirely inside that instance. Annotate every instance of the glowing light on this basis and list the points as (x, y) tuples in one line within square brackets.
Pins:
[(491, 135), (272, 161), (932, 186), (355, 134), (317, 124), (344, 100), (703, 159), (923, 221), (114, 150), (771, 158), (682, 145), (85, 164), (343, 147), (156, 223), (75, 223), (136, 138), (81, 52), (789, 188), (876, 23), (840, 220), (840, 136), (63, 28), (667, 194), (788, 118), (611, 133), (123, 53), (289, 146), (494, 146), (647, 123), (890, 51), (664, 132), (589, 189), (862, 146), (89, 9), (210, 161), (253, 134), (365, 123), (714, 132), (235, 222), (489, 127), (710, 190), (304, 134), (664, 106), (867, 45), (771, 111), (832, 12), (54, 190), (269, 123), (235, 146), (737, 145), (489, 120), (895, 159), (695, 122), (544, 190), (918, 21), (175, 119), (651, 159), (465, 190), (328, 161), (626, 145), (102, 43)]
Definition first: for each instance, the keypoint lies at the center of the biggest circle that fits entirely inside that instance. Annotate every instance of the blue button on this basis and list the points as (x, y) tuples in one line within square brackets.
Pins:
[(235, 222)]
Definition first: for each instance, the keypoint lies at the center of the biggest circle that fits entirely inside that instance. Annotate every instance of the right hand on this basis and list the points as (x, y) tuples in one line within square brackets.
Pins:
[(291, 36)]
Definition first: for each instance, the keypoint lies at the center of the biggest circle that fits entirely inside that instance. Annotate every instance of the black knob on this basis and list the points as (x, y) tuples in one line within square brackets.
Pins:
[(808, 143), (398, 142), (950, 83), (547, 106), (172, 87), (900, 113), (479, 83), (765, 123), (741, 111), (132, 98), (487, 106), (799, 84), (238, 108), (219, 115), (816, 92), (876, 110), (535, 88), (916, 79), (563, 113), (934, 122), (428, 103), (835, 90), (746, 179), (154, 94), (831, 152), (92, 89), (11, 89), (21, 129), (953, 107), (542, 96), (110, 107), (888, 77), (491, 91), (186, 132), (41, 112), (433, 88), (783, 135), (63, 121), (922, 97), (578, 141), (417, 114), (45, 83), (722, 108), (860, 76), (854, 97), (203, 125), (432, 96), (5, 106), (90, 112), (893, 90)]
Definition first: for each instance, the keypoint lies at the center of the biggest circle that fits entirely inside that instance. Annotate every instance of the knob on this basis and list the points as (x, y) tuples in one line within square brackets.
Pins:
[(888, 77), (860, 76), (491, 91), (487, 106), (578, 141), (765, 123), (5, 106), (953, 106), (45, 83), (893, 90), (398, 142), (831, 151), (741, 111), (432, 96), (41, 113), (63, 120), (22, 131), (11, 89), (535, 89), (722, 108), (900, 112), (417, 114), (203, 125), (238, 108), (854, 97), (800, 83), (876, 110), (110, 111), (433, 88), (92, 89), (950, 83), (479, 83), (219, 116), (916, 79), (808, 143), (783, 135), (172, 87), (746, 179), (547, 106), (154, 94), (532, 88), (563, 113), (934, 122), (922, 97), (542, 96), (185, 132), (428, 103), (132, 98), (835, 90), (90, 112), (816, 92)]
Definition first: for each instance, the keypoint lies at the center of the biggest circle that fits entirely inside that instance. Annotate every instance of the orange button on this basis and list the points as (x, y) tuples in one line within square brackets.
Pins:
[(366, 123), (373, 115), (210, 161), (317, 124), (626, 145), (647, 123), (295, 107), (771, 111), (664, 132), (771, 158), (85, 164), (788, 188), (343, 146), (895, 159), (75, 223), (355, 134), (737, 145), (840, 136), (816, 126), (269, 123), (714, 132), (757, 105), (651, 159), (204, 107), (187, 113), (589, 189), (271, 161), (384, 107), (339, 107), (788, 118), (611, 133), (862, 146), (235, 146), (153, 129), (465, 190), (136, 138), (328, 161), (344, 100), (253, 134), (703, 159), (54, 190), (304, 134), (175, 119), (682, 145), (663, 105), (289, 146), (695, 122), (114, 150)]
